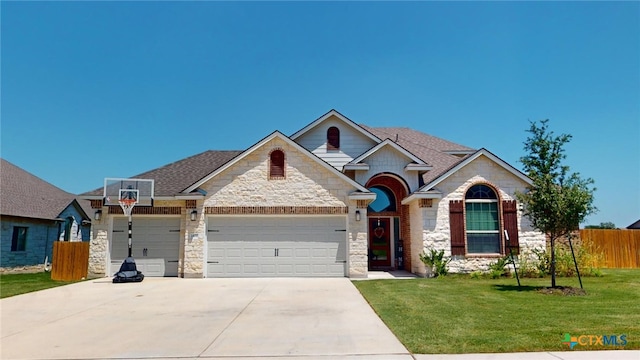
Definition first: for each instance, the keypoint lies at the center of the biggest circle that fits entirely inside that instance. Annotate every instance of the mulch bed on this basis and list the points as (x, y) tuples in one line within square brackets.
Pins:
[(563, 290)]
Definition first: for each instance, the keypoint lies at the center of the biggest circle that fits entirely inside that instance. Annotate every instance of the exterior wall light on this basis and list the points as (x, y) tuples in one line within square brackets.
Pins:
[(97, 215), (194, 215), (357, 215)]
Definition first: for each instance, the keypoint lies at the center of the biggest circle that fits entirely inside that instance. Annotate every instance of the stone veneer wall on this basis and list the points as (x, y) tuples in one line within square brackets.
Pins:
[(99, 245), (358, 257), (435, 220), (191, 262)]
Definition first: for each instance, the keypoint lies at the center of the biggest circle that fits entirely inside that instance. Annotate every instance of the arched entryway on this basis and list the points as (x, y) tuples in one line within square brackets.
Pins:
[(388, 224)]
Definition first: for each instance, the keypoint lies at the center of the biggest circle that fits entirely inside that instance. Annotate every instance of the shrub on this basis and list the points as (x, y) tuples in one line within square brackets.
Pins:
[(538, 263), (435, 261), (499, 268), (528, 265)]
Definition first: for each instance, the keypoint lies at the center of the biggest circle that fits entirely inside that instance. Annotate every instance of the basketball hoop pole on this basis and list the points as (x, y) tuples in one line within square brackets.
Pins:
[(130, 231), (127, 205)]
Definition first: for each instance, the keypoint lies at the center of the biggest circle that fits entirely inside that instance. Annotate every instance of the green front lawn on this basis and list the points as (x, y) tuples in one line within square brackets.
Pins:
[(16, 284), (458, 314)]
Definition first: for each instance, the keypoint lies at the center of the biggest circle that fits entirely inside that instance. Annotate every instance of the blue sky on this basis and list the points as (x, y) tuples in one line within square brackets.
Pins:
[(112, 89)]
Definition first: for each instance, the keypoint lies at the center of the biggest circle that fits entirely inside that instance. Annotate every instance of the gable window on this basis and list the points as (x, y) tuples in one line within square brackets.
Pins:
[(19, 239), (333, 138), (482, 220), (276, 164)]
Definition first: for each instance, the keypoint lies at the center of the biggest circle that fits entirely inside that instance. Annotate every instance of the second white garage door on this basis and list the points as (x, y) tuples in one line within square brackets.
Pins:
[(296, 246)]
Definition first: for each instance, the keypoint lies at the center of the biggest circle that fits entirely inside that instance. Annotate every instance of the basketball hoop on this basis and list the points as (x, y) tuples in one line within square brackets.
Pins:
[(127, 205)]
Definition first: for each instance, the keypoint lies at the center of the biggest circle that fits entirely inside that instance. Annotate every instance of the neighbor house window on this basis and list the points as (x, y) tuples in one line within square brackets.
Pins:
[(482, 220), (276, 164), (333, 138), (19, 239)]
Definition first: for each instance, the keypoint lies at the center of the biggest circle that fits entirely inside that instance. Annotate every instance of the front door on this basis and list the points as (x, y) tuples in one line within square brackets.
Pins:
[(379, 243)]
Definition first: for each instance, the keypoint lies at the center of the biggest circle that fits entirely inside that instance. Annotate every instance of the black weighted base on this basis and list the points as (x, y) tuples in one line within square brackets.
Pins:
[(128, 272)]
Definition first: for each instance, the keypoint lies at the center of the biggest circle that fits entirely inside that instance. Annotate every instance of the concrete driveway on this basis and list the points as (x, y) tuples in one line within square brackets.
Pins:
[(196, 318)]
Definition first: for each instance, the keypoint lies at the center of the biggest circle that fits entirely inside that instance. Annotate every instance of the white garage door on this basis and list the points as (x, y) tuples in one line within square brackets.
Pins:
[(276, 246), (156, 244)]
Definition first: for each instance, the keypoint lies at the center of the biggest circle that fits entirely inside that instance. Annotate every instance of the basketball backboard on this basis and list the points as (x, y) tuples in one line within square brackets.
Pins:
[(120, 188)]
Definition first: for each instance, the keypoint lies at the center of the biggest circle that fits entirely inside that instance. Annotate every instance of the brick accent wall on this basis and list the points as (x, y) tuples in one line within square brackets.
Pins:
[(426, 203), (405, 235), (190, 204), (96, 204), (271, 210), (148, 210)]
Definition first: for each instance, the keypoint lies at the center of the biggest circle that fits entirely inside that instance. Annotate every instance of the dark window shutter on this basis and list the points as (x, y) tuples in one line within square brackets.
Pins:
[(456, 222), (510, 218)]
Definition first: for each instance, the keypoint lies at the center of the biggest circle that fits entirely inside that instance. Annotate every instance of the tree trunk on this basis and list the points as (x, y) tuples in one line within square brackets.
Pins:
[(553, 262)]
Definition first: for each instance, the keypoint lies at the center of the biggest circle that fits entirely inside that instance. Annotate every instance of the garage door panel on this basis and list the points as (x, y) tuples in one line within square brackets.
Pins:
[(272, 246), (157, 267), (215, 269), (303, 253), (233, 253), (303, 269), (267, 269)]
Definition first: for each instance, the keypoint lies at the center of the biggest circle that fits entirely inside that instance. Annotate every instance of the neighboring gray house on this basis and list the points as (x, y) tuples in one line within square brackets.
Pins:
[(34, 214), (634, 226), (333, 199)]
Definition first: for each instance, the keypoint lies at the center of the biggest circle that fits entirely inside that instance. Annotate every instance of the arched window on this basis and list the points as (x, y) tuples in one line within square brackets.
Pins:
[(276, 164), (482, 220), (385, 200), (333, 138)]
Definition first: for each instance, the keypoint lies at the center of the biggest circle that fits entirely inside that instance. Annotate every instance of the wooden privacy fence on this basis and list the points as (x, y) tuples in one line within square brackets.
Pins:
[(70, 260), (619, 248)]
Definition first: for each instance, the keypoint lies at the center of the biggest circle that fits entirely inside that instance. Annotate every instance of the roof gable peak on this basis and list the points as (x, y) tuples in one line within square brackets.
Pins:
[(259, 144), (338, 115), (470, 158), (389, 143)]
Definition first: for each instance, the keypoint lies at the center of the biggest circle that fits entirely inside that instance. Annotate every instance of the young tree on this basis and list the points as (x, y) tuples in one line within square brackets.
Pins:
[(557, 201)]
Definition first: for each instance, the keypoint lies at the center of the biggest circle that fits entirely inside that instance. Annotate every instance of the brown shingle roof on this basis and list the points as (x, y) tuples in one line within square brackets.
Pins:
[(432, 150), (26, 195), (174, 178), (177, 176)]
